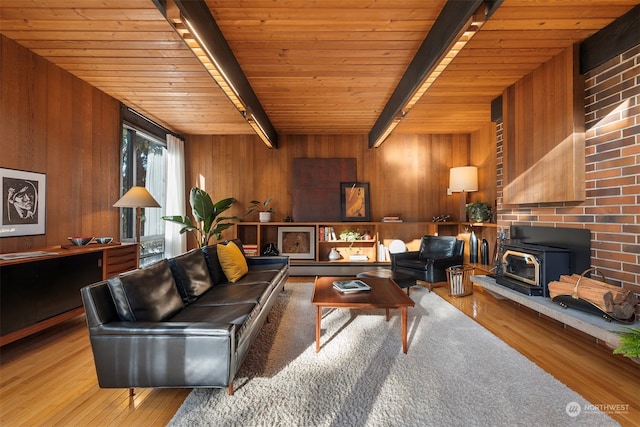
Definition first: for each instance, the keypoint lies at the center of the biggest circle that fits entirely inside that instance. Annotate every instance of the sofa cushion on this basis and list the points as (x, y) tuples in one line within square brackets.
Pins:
[(146, 295), (236, 314), (191, 274), (437, 247), (215, 269), (234, 294), (232, 261)]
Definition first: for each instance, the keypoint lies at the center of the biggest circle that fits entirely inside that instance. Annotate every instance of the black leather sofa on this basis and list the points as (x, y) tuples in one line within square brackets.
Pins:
[(179, 322)]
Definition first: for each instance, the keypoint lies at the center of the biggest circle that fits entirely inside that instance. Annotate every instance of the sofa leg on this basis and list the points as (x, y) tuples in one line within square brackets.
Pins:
[(132, 392), (230, 389)]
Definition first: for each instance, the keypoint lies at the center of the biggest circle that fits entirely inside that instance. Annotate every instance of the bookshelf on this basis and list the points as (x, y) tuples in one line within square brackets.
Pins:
[(257, 234)]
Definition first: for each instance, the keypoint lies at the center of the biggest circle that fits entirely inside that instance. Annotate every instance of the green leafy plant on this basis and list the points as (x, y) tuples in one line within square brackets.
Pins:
[(478, 211), (257, 206), (208, 222), (349, 236), (629, 342)]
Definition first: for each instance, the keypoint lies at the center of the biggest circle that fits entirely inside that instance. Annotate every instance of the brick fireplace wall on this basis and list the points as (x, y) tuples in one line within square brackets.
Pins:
[(612, 206)]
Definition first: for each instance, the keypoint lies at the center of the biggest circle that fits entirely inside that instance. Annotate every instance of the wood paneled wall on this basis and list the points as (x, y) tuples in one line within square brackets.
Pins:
[(544, 134), (408, 175), (483, 155), (54, 123)]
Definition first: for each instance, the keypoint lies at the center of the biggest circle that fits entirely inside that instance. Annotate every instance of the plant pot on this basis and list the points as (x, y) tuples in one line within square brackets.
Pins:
[(265, 216)]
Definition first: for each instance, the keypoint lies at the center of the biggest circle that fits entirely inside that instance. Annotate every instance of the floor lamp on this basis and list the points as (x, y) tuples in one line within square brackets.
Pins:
[(463, 179), (138, 198)]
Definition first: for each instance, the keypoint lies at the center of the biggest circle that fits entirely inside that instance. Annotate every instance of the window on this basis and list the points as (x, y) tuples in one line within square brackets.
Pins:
[(143, 163)]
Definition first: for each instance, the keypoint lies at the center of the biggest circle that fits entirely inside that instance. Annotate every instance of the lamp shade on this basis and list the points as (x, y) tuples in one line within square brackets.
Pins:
[(137, 197), (463, 178)]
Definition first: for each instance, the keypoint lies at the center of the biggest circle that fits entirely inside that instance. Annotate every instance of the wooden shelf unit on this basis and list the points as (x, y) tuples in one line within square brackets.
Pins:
[(261, 233)]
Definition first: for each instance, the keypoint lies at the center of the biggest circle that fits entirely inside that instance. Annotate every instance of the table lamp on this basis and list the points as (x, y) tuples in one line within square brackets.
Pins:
[(463, 179)]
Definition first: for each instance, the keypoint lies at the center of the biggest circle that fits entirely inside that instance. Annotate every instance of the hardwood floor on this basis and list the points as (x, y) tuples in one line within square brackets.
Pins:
[(49, 378)]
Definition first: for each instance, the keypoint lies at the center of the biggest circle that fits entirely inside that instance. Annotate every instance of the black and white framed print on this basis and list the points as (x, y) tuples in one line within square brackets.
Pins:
[(23, 203)]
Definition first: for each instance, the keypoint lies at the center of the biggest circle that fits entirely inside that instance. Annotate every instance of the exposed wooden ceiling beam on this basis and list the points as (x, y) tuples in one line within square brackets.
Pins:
[(446, 30), (210, 39)]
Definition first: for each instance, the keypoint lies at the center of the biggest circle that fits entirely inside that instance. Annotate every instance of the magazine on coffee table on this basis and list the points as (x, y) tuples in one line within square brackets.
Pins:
[(347, 286)]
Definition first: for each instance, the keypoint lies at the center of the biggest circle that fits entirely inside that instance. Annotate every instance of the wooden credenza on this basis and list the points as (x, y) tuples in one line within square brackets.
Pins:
[(39, 292)]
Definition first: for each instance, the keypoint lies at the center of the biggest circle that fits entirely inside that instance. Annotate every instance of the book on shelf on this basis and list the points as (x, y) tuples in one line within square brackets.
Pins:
[(358, 257), (347, 286), (250, 250), (391, 219)]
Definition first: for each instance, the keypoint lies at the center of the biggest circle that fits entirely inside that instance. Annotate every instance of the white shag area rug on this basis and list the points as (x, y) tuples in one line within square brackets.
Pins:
[(455, 373)]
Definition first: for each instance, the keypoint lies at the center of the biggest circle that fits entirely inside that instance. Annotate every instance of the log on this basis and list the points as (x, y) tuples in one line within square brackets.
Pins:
[(623, 311), (619, 294), (602, 298)]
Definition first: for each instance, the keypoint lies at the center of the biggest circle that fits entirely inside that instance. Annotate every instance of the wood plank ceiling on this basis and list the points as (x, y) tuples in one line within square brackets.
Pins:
[(317, 66)]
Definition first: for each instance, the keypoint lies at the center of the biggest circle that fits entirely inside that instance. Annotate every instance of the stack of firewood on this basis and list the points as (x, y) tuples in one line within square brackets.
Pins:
[(611, 299)]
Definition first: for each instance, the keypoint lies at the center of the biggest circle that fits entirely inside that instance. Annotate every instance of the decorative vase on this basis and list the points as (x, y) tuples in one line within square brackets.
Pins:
[(473, 248), (333, 255), (485, 252), (265, 216)]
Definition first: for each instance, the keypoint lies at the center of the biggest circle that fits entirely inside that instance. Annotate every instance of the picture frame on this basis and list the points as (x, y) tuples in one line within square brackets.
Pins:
[(354, 201), (297, 242), (24, 207)]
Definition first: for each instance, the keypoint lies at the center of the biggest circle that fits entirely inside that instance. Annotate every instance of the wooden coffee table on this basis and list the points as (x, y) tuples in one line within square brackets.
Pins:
[(384, 293)]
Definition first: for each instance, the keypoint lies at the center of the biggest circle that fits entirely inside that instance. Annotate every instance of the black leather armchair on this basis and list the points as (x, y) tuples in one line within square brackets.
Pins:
[(436, 254)]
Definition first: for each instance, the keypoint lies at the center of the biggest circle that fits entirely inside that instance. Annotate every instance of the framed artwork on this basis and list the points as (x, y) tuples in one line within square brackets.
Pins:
[(297, 242), (23, 203), (354, 200)]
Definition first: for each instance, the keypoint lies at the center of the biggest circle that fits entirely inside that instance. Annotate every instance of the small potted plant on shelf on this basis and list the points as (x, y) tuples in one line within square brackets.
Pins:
[(349, 235), (261, 207), (478, 211)]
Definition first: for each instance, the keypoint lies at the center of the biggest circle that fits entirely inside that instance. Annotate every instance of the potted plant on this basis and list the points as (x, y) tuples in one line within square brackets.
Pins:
[(208, 222), (478, 211), (629, 343), (349, 236), (261, 207)]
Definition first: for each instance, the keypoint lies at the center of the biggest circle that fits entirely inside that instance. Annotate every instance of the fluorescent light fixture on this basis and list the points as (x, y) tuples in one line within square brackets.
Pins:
[(197, 28), (469, 29)]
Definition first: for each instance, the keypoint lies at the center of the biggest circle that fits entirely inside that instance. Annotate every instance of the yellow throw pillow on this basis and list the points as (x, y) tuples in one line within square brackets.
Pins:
[(232, 261)]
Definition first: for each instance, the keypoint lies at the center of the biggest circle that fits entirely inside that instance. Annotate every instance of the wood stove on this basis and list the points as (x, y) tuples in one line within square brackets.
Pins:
[(529, 268), (534, 256)]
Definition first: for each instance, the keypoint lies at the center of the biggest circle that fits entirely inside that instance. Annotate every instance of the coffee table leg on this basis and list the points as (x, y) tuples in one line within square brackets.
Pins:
[(388, 315), (403, 315), (318, 319)]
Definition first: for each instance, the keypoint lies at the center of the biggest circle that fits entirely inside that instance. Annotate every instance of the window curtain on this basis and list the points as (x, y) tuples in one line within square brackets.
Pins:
[(174, 242), (155, 183)]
